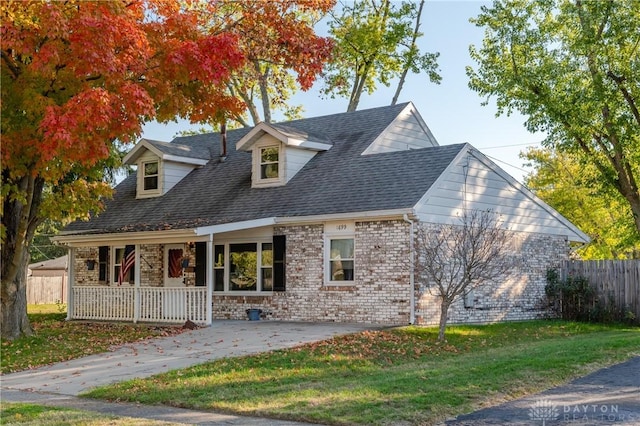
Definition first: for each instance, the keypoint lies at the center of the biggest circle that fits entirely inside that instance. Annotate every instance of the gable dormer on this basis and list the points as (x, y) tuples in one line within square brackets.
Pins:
[(407, 131), (161, 165), (279, 152)]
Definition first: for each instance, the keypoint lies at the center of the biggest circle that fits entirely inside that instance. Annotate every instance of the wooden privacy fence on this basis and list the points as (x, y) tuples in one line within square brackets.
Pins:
[(46, 290), (615, 281)]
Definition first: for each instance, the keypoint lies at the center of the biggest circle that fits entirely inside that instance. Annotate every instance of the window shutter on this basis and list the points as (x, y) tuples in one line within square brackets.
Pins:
[(279, 262), (103, 262), (201, 264)]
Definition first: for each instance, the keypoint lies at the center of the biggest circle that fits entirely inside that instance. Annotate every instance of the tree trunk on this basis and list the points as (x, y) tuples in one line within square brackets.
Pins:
[(444, 311), (413, 47), (15, 322), (264, 92), (20, 220)]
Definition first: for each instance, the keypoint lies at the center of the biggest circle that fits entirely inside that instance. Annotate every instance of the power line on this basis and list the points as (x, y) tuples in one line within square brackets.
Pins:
[(508, 164), (511, 146)]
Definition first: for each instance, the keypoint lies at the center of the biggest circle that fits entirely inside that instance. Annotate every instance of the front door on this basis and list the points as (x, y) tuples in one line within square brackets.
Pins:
[(174, 300), (173, 271)]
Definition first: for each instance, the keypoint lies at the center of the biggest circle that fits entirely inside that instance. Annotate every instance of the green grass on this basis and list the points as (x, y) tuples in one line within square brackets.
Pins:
[(58, 340), (33, 414), (393, 376)]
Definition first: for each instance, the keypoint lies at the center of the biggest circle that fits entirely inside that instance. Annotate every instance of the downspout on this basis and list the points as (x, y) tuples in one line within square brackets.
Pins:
[(136, 284), (209, 278), (412, 299)]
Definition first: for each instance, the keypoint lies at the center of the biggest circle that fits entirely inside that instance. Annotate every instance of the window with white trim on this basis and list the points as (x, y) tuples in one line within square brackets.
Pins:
[(340, 259), (269, 163), (243, 267), (150, 176), (118, 258)]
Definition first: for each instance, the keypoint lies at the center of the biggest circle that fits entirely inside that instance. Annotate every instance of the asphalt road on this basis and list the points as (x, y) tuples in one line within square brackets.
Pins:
[(610, 396)]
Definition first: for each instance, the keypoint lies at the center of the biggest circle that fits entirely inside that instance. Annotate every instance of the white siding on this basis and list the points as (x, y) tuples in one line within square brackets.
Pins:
[(474, 184), (408, 131), (174, 173), (292, 159), (170, 173), (148, 156), (295, 159)]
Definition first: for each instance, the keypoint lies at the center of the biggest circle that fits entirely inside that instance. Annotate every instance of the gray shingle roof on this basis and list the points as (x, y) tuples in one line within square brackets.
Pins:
[(339, 180), (182, 150)]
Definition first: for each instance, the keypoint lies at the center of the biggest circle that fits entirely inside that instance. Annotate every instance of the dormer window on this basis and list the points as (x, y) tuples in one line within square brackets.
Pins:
[(269, 162), (150, 172), (279, 152), (161, 165)]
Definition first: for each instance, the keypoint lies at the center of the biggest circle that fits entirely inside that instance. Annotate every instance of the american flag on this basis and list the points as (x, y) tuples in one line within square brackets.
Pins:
[(128, 260)]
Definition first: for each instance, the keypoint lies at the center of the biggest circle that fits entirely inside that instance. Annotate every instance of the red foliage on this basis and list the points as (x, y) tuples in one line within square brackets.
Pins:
[(79, 74)]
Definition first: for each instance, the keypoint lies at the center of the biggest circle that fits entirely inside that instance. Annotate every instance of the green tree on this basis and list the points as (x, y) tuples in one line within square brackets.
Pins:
[(42, 248), (574, 188), (76, 76), (375, 42), (573, 69)]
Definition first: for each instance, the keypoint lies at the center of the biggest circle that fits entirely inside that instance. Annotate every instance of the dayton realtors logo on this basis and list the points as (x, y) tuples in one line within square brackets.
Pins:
[(544, 410)]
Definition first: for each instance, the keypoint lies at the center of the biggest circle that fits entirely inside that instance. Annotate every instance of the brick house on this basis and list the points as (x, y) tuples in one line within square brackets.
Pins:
[(308, 220)]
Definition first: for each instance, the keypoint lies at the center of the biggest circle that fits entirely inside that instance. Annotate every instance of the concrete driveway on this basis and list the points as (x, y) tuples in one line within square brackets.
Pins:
[(144, 359)]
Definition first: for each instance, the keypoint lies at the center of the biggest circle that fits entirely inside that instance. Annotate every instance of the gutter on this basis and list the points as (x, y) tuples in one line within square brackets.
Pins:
[(412, 255), (369, 214)]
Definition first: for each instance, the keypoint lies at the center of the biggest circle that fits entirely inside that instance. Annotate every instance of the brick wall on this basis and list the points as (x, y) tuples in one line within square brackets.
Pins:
[(83, 276), (379, 293), (517, 296), (151, 266)]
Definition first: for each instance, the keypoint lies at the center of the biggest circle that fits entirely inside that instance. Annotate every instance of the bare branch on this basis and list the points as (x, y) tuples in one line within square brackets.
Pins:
[(454, 259)]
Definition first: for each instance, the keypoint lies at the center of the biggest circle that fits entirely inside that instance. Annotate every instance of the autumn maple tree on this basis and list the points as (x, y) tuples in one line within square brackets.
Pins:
[(77, 76)]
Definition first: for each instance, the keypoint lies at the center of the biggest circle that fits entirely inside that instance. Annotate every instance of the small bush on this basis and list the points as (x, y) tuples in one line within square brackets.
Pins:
[(575, 299)]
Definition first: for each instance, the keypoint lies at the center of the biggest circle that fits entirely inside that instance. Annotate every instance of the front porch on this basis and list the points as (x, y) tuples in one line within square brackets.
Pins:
[(156, 282), (145, 304)]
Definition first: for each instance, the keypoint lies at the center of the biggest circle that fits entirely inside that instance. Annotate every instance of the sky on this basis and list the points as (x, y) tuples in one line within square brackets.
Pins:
[(451, 109)]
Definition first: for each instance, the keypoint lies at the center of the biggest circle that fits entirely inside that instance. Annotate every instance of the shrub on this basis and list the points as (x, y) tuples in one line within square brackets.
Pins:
[(575, 299)]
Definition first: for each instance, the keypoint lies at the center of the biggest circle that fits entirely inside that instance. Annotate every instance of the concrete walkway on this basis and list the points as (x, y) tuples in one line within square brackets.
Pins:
[(144, 359), (59, 384)]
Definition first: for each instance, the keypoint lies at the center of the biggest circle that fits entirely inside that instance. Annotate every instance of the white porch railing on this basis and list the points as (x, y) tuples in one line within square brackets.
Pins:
[(148, 304)]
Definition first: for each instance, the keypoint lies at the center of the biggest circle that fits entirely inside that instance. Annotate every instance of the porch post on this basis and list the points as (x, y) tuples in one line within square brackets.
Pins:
[(71, 280), (136, 285), (209, 277)]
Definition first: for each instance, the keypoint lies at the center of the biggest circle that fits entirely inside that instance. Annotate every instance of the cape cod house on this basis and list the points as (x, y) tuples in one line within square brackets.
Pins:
[(308, 220)]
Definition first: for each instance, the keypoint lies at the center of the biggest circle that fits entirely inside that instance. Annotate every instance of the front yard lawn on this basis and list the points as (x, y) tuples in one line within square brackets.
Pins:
[(57, 340), (33, 414), (395, 376)]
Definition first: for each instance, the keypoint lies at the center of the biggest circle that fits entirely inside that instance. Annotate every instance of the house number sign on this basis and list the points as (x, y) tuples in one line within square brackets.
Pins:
[(339, 227)]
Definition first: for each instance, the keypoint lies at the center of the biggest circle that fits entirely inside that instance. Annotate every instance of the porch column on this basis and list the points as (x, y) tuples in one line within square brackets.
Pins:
[(71, 280), (209, 278), (136, 285)]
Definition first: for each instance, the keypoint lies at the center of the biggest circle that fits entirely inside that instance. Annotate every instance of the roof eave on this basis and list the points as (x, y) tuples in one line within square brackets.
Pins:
[(124, 238), (246, 142)]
